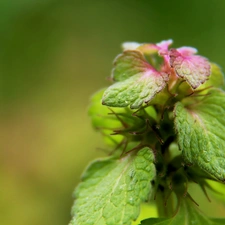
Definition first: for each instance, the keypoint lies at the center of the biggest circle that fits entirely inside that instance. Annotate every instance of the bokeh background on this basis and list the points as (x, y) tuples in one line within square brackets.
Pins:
[(53, 55)]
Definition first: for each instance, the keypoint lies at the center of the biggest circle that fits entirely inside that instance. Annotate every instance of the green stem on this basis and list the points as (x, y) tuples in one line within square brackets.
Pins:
[(164, 203)]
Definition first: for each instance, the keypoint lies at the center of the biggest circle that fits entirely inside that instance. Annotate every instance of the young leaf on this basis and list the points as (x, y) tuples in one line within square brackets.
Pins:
[(187, 214), (201, 129), (216, 78), (111, 190), (137, 81), (104, 121), (148, 48), (217, 189), (192, 68), (120, 121)]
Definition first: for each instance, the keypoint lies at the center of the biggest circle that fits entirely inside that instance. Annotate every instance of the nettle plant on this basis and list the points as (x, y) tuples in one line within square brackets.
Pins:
[(163, 121)]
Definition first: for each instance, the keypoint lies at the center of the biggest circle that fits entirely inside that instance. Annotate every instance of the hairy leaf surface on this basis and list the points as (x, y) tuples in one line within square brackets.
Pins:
[(137, 81), (192, 68), (111, 190), (117, 120), (201, 133)]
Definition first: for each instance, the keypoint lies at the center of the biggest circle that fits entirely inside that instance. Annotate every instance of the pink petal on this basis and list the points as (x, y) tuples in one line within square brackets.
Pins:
[(187, 50), (163, 45), (130, 45)]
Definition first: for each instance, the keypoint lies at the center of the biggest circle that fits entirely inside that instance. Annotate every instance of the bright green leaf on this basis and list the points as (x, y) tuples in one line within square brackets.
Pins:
[(103, 121), (201, 129), (108, 121), (137, 81), (155, 221), (216, 78), (112, 190), (187, 214), (218, 190), (147, 209)]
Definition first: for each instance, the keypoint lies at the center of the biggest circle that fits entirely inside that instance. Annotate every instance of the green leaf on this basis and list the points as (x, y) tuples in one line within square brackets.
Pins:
[(122, 121), (155, 221), (201, 129), (216, 78), (137, 81), (217, 189), (105, 122), (187, 214), (112, 190)]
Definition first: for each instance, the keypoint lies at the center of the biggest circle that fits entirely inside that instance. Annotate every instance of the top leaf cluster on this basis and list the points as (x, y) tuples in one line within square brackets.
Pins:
[(140, 74)]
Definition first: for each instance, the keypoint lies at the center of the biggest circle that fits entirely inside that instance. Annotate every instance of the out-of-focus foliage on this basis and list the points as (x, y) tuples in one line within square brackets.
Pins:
[(53, 55), (187, 213)]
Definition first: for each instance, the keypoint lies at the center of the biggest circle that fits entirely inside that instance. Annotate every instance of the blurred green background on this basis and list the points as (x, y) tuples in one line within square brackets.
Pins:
[(53, 55)]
